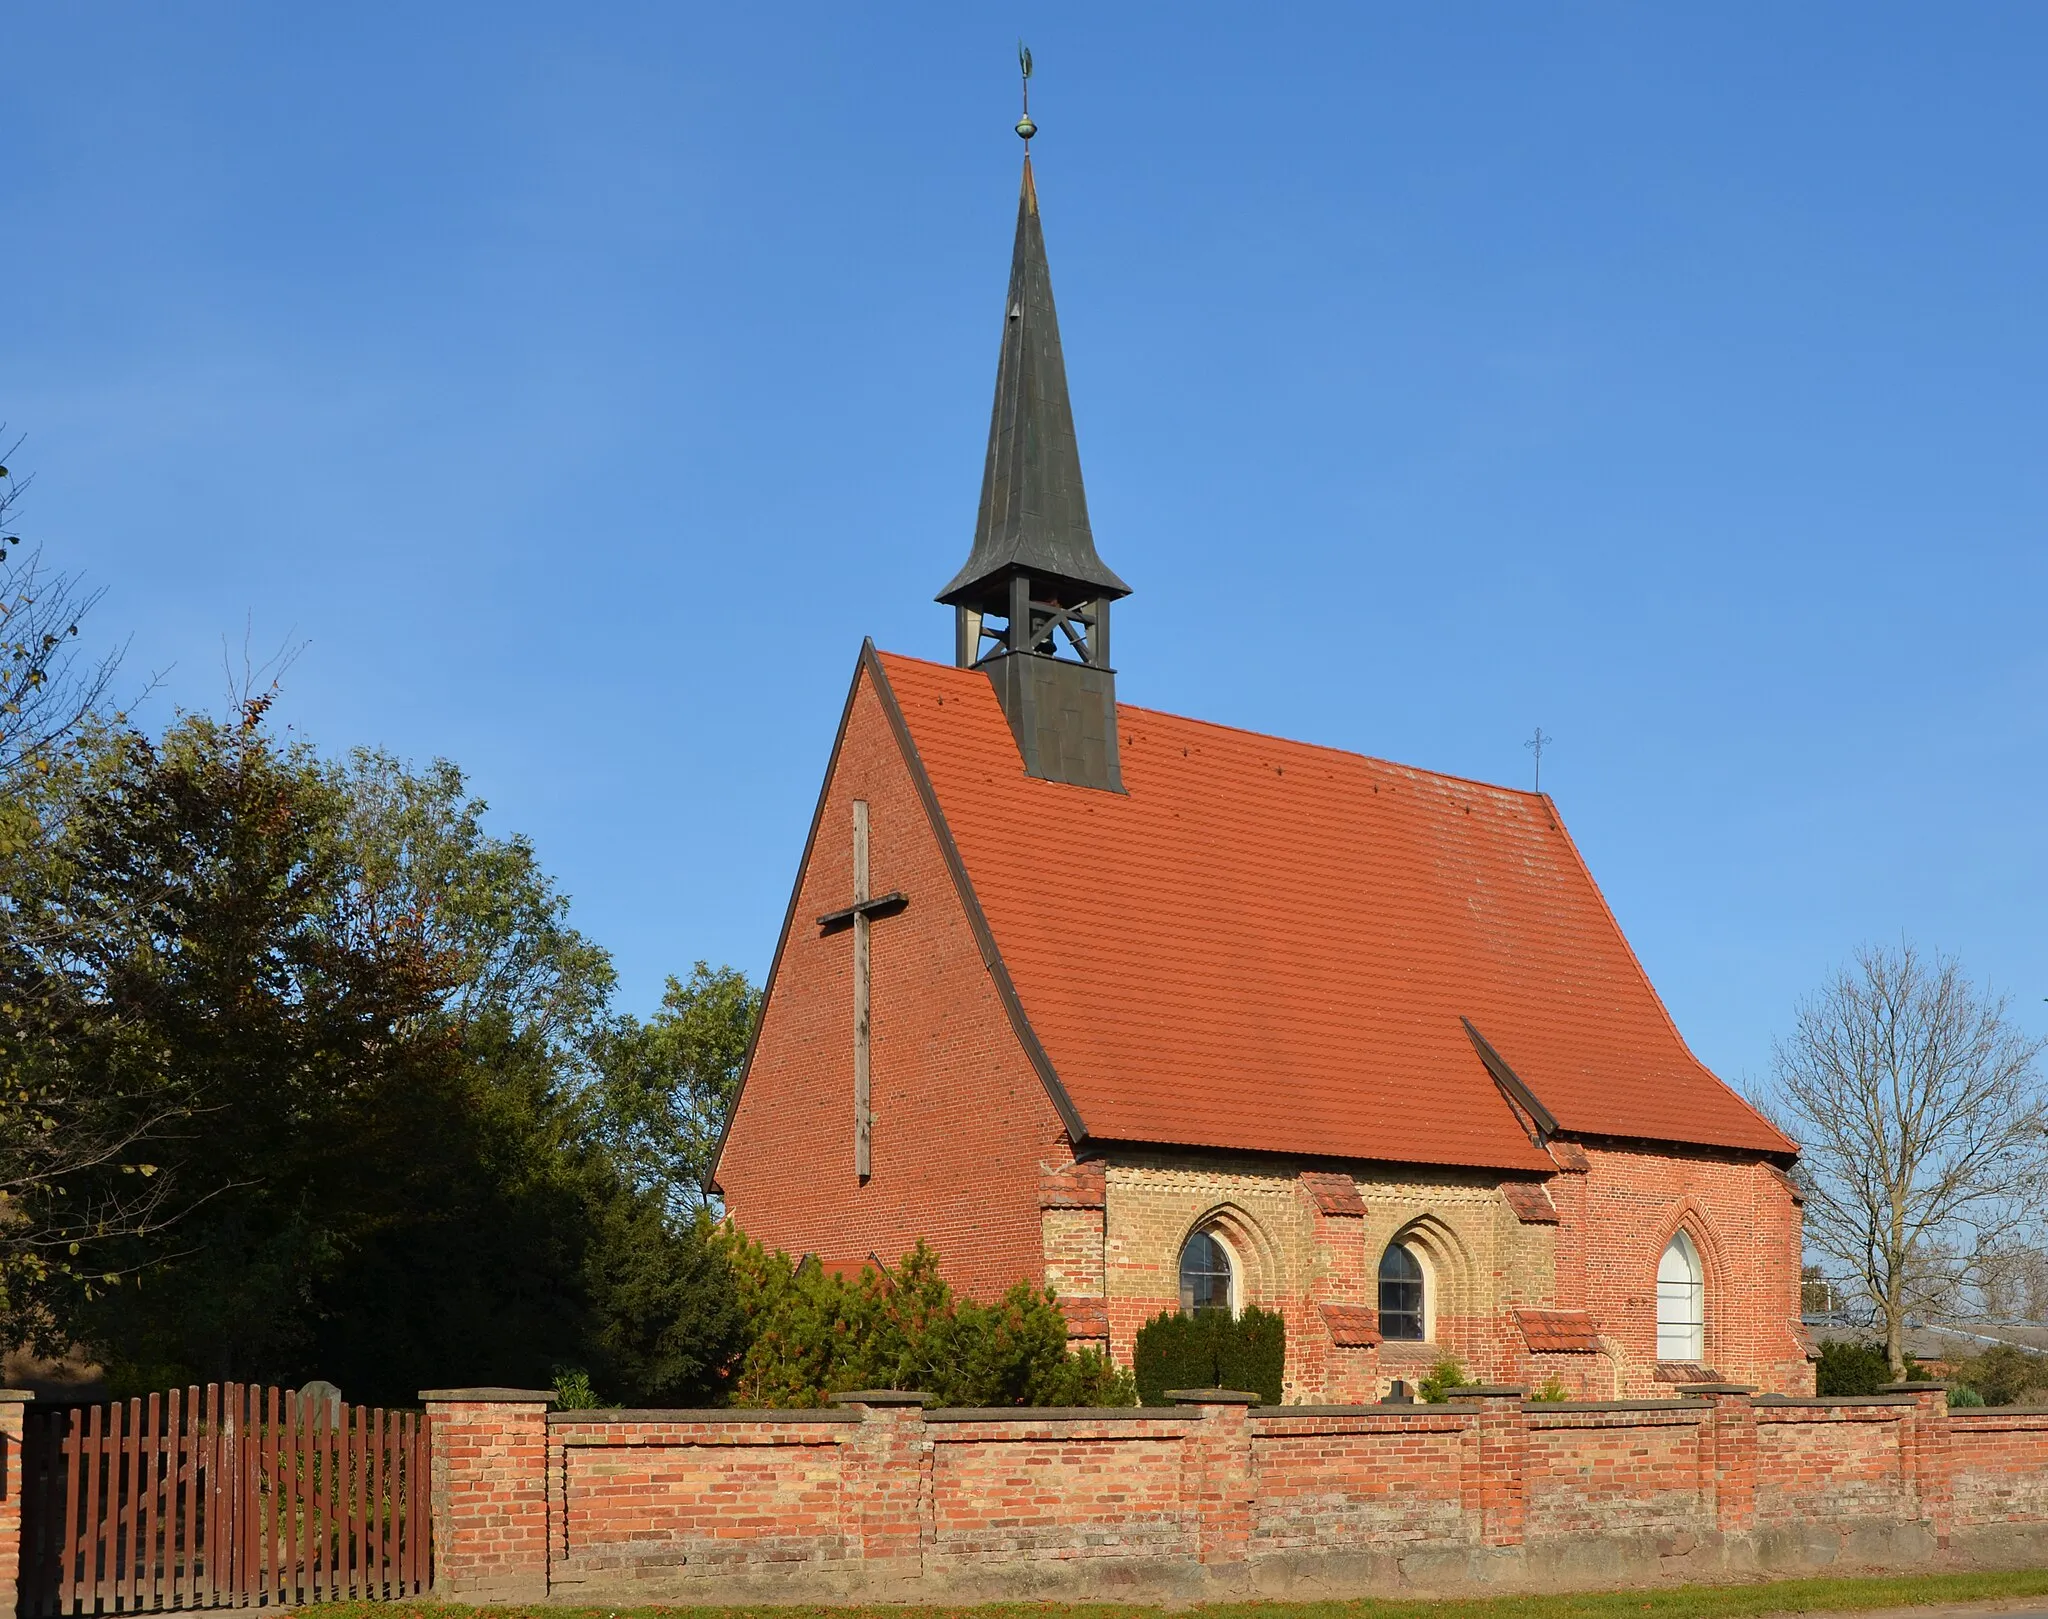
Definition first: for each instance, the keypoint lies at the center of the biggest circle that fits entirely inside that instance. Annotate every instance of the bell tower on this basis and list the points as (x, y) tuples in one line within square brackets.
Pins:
[(1031, 606)]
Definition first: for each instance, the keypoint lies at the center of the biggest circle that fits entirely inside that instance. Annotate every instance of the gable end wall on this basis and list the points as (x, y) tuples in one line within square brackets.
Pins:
[(961, 1119)]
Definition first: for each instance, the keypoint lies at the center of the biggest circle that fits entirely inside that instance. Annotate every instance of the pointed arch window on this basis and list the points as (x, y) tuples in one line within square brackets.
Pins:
[(1207, 1280), (1681, 1302), (1403, 1302)]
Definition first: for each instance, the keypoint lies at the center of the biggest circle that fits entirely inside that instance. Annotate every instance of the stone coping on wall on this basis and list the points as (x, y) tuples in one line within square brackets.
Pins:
[(492, 1396), (1780, 1401), (881, 1397), (723, 1413), (1386, 1408), (1139, 1413), (1056, 1413)]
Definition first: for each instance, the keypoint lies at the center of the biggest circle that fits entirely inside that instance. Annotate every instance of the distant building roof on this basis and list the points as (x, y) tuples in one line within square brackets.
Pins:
[(1956, 1340)]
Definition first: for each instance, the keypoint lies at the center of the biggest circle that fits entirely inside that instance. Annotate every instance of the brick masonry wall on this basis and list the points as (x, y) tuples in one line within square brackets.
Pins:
[(13, 1421), (489, 1467), (1594, 1471), (1839, 1458), (1020, 1490), (961, 1120), (887, 1501), (710, 1493), (1377, 1479), (1481, 1258), (1740, 1215), (1996, 1466)]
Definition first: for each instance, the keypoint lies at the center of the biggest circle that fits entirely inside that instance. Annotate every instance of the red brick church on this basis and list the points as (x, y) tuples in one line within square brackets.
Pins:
[(1169, 1014)]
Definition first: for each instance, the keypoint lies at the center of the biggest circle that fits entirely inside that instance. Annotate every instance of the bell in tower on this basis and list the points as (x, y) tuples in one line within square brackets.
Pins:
[(1032, 603)]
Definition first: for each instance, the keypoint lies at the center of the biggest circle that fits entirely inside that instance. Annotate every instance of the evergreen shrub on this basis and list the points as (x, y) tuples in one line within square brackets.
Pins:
[(1847, 1370), (814, 1333), (1211, 1349)]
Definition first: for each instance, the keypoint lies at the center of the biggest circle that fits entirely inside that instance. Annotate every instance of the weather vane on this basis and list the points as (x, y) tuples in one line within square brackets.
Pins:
[(1535, 745), (1025, 126)]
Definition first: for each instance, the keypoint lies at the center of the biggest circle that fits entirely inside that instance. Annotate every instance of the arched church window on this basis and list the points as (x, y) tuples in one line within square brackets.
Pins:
[(1401, 1301), (1681, 1302), (1206, 1282)]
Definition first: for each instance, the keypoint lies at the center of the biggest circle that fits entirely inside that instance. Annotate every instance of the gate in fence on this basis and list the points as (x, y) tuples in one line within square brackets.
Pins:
[(231, 1496)]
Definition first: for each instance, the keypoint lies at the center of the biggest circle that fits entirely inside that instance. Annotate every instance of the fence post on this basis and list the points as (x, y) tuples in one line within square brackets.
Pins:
[(886, 1481), (1927, 1462), (13, 1483), (1503, 1459), (1218, 1475), (490, 1461), (1732, 1420)]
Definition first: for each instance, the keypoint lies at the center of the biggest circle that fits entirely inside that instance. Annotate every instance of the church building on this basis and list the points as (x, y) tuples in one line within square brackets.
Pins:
[(1169, 1015)]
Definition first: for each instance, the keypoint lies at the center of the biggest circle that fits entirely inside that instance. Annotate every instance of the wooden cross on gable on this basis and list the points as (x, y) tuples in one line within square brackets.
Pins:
[(860, 916)]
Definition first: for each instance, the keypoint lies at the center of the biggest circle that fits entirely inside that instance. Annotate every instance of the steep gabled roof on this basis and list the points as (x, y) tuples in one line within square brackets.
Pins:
[(1271, 946)]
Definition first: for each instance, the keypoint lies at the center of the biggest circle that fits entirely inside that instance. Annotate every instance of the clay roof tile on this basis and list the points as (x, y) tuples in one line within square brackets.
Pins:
[(1263, 945)]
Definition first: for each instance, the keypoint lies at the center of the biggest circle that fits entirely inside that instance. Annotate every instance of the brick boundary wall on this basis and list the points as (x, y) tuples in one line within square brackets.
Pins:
[(878, 1498), (14, 1404)]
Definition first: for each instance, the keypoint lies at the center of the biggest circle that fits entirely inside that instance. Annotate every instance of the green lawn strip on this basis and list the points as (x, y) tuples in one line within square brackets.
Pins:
[(1674, 1602)]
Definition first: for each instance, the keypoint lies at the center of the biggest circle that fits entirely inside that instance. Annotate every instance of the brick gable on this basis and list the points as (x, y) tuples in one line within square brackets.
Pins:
[(962, 1119)]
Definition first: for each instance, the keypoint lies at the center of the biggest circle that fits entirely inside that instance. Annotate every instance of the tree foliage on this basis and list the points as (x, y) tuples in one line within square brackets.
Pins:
[(668, 1082), (1850, 1369), (347, 1031), (1918, 1109), (2005, 1374)]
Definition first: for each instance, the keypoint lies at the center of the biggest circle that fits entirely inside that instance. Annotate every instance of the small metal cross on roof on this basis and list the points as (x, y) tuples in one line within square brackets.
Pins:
[(1536, 745), (859, 916)]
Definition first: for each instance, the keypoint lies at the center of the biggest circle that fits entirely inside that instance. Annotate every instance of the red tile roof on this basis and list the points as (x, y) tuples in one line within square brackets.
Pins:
[(1352, 1326), (1333, 1194), (1571, 1157), (1530, 1202), (1558, 1332), (1073, 1186), (1266, 945)]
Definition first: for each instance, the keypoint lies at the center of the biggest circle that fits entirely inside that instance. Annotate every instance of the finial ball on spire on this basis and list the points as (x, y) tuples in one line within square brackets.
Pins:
[(1026, 127)]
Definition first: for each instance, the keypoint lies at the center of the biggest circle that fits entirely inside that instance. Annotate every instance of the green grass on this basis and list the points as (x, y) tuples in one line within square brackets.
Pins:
[(1675, 1602)]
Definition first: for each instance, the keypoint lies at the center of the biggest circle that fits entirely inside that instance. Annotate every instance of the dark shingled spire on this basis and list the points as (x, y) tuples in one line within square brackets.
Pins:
[(1034, 513)]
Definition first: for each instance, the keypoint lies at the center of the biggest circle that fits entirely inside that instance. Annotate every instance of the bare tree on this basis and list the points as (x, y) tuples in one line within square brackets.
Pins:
[(2012, 1279), (1920, 1118), (47, 691)]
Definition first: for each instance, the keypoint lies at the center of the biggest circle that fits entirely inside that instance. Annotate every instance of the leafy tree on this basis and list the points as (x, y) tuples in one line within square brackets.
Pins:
[(668, 1083), (351, 1029), (76, 1160)]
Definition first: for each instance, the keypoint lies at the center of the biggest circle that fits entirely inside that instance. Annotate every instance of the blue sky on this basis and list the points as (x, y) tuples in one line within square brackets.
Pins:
[(580, 384)]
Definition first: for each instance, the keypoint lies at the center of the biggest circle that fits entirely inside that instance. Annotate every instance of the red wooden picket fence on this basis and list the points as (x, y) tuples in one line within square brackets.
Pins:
[(231, 1496)]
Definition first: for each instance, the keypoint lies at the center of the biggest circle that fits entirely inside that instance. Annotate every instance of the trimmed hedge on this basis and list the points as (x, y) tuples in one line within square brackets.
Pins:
[(1211, 1350)]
